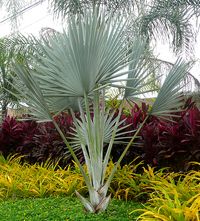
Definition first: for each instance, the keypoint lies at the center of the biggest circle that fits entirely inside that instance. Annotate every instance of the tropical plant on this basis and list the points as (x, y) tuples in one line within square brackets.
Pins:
[(6, 54), (13, 134), (162, 143), (166, 143), (38, 180), (12, 48), (126, 182), (163, 208), (48, 179), (153, 19), (46, 143), (36, 142), (172, 196), (82, 63), (147, 18)]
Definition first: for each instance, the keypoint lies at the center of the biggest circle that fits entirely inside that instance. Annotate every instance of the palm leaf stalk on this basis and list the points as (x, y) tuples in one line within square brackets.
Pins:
[(80, 64), (92, 135)]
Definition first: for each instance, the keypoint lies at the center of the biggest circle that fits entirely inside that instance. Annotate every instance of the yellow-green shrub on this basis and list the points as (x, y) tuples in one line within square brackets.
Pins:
[(125, 184), (36, 180), (164, 207), (26, 180), (173, 196)]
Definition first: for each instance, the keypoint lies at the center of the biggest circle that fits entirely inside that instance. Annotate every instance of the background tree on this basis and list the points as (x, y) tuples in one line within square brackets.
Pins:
[(152, 19), (6, 55), (18, 49)]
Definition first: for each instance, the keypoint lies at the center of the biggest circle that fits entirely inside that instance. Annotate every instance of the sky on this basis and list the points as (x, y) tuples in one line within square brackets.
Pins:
[(39, 17), (32, 22)]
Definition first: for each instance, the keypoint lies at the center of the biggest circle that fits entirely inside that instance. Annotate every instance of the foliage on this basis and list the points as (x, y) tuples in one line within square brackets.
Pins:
[(23, 181), (173, 198), (164, 208), (64, 9), (13, 48), (174, 195), (13, 135), (185, 184), (161, 144), (46, 143), (174, 23), (126, 182), (147, 18), (48, 179), (175, 143), (6, 55), (36, 142), (167, 20)]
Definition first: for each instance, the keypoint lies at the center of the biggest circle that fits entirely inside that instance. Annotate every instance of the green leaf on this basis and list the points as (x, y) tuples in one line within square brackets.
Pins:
[(169, 98), (92, 51), (32, 94), (138, 70)]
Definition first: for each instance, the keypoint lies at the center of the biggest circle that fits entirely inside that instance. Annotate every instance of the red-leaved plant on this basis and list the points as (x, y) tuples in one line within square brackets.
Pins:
[(36, 142), (161, 143)]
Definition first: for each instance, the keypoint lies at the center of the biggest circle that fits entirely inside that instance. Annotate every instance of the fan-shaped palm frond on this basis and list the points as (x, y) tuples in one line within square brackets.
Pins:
[(169, 98), (32, 94), (168, 19), (92, 52), (139, 71)]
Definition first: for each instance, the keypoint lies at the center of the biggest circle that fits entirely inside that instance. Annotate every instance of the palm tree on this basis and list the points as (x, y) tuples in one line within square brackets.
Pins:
[(152, 19), (82, 63), (15, 48), (168, 19), (172, 20), (6, 56)]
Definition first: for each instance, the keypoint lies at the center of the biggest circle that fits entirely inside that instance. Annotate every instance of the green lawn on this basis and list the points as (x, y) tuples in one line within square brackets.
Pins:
[(62, 209)]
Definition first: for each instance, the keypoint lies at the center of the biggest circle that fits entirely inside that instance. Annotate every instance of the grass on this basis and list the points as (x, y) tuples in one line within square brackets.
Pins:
[(63, 209)]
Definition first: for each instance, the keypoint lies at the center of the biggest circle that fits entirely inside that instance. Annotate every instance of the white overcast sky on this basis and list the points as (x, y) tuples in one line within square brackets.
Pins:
[(39, 17)]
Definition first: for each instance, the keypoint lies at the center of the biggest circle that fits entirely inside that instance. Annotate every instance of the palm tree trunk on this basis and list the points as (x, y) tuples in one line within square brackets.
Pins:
[(4, 109), (4, 102)]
